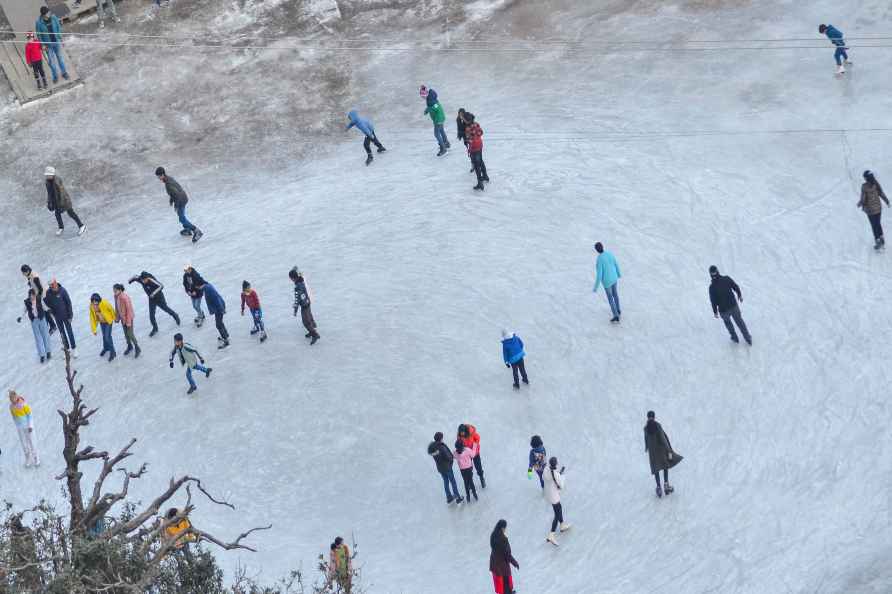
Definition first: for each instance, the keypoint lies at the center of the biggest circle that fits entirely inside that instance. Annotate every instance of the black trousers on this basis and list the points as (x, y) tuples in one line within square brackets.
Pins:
[(39, 74), (221, 327), (479, 166), (368, 141), (66, 334), (70, 212), (558, 516), (478, 465), (515, 367), (665, 476), (467, 475), (876, 225), (159, 302)]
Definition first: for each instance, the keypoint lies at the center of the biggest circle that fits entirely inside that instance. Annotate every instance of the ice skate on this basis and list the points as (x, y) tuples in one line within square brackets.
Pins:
[(49, 356), (315, 338), (308, 335), (223, 344), (81, 230), (208, 372), (191, 389), (517, 386), (381, 150), (59, 232), (153, 332), (551, 538), (735, 340), (442, 151), (128, 350), (185, 232), (111, 356), (369, 159), (262, 336), (479, 186), (526, 381), (73, 353), (482, 482), (614, 320), (136, 353), (197, 235), (659, 491), (255, 331), (840, 69), (668, 488), (565, 526), (877, 245)]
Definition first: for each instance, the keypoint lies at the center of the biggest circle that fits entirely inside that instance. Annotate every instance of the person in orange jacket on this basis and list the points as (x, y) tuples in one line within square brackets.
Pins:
[(468, 435), (34, 58)]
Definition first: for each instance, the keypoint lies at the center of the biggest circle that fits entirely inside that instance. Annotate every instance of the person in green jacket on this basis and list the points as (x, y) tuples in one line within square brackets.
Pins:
[(438, 116)]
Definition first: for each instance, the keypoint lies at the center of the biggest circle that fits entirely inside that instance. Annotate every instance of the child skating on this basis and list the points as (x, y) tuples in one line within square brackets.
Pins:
[(190, 358), (251, 299), (366, 127), (537, 459)]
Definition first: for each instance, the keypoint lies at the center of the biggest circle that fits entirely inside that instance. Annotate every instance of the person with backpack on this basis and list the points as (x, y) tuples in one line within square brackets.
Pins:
[(58, 201), (49, 32), (178, 200), (124, 315), (368, 129), (21, 416), (189, 358), (870, 202), (102, 314), (252, 300), (554, 483), (303, 304), (468, 435), (155, 292), (443, 459), (660, 453), (217, 308), (513, 354), (501, 559), (474, 135), (340, 565), (438, 116), (465, 458), (724, 295), (607, 273), (191, 281), (38, 317), (34, 59), (537, 459), (58, 303), (836, 38)]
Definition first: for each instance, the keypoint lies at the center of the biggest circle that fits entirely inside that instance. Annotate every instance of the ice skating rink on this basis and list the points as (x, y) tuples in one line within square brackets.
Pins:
[(747, 156)]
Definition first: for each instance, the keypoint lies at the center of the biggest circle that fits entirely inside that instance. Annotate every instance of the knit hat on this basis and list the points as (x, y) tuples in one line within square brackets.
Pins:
[(50, 172), (651, 414), (245, 285), (423, 91), (713, 270)]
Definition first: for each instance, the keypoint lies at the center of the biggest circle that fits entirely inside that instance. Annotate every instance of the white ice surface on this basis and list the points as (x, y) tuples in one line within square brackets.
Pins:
[(784, 486)]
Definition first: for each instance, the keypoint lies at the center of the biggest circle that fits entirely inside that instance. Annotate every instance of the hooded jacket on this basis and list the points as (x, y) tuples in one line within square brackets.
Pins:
[(465, 457), (59, 303), (834, 35), (554, 482), (512, 349), (472, 439), (434, 109), (872, 196), (363, 125)]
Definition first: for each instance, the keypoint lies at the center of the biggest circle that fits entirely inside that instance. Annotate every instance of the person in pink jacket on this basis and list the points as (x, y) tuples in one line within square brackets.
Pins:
[(124, 315), (465, 458)]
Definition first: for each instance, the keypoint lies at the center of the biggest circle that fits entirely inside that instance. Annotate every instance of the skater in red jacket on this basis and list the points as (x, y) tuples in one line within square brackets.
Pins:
[(250, 298), (474, 138), (34, 58)]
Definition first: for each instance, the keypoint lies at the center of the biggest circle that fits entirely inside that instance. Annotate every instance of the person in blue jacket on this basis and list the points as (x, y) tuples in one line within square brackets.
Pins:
[(366, 127), (513, 354), (607, 273), (49, 32), (217, 308), (836, 38), (538, 459)]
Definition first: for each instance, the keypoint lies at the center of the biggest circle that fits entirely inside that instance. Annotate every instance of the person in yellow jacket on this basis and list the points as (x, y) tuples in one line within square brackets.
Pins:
[(21, 415), (103, 314), (176, 530)]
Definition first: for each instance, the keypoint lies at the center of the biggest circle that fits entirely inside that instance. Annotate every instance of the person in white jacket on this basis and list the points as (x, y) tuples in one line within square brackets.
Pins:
[(21, 415), (554, 483)]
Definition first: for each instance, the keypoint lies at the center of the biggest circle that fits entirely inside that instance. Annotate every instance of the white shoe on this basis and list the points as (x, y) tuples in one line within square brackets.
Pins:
[(73, 353), (840, 69), (565, 526), (550, 538), (81, 229), (60, 231), (36, 461), (117, 19), (102, 24), (28, 463)]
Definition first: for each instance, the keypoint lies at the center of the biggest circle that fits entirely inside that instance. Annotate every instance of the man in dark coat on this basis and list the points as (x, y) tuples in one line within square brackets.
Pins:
[(155, 292), (58, 201), (443, 460), (217, 308), (59, 305), (191, 281), (660, 453), (302, 303), (178, 199), (724, 295), (501, 559)]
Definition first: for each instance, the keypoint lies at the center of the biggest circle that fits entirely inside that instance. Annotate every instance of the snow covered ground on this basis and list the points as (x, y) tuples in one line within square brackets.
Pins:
[(674, 159)]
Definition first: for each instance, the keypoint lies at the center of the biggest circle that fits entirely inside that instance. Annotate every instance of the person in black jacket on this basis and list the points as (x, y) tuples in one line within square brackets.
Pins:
[(155, 292), (58, 303), (659, 452), (443, 460), (724, 295), (302, 304), (36, 285), (191, 281), (501, 559), (178, 199), (460, 125)]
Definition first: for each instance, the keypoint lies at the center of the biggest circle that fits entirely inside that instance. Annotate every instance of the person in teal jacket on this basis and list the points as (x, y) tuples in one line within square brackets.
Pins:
[(607, 273), (49, 32), (438, 116)]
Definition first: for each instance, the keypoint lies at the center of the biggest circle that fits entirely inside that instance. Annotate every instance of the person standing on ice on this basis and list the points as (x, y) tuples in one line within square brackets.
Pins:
[(474, 135), (21, 415), (303, 303), (124, 315), (251, 299), (103, 315), (38, 318), (58, 201), (460, 126), (871, 194), (513, 354), (155, 292), (724, 295), (468, 435), (537, 459), (217, 308), (607, 273), (554, 483), (34, 59), (190, 358), (501, 559), (178, 199), (35, 284), (191, 280), (465, 458), (49, 32), (59, 304), (836, 38), (443, 459), (367, 128), (660, 453), (438, 116), (340, 565)]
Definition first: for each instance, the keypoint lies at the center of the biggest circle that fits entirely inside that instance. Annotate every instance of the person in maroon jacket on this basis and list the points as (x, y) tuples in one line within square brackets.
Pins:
[(34, 58), (474, 136), (252, 300), (501, 559)]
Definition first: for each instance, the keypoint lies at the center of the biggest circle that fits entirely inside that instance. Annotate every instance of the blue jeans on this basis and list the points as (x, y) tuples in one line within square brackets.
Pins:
[(54, 53), (257, 315), (840, 54), (440, 135), (197, 367), (613, 299), (196, 305), (449, 479), (181, 214), (108, 344), (41, 336)]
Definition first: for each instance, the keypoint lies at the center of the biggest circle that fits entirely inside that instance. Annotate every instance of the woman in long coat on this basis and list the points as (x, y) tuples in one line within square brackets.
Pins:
[(501, 560), (662, 457), (871, 194)]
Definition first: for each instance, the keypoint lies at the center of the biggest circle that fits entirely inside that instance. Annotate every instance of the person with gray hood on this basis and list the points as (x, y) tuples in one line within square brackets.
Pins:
[(58, 201)]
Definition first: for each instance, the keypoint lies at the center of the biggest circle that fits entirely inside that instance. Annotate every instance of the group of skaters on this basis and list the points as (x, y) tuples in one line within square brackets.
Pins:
[(468, 130), (49, 309)]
